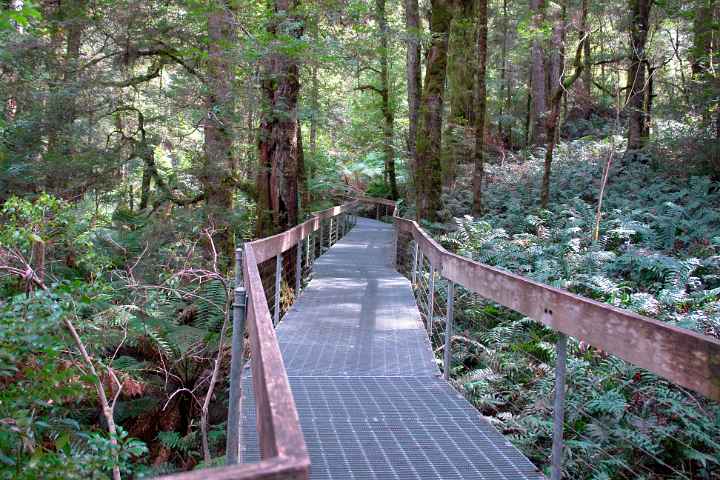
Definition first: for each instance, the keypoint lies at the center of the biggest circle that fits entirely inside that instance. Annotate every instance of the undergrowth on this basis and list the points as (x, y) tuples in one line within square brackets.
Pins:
[(657, 253)]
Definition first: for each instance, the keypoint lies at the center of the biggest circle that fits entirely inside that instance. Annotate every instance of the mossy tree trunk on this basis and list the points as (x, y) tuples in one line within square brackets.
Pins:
[(637, 81), (387, 107), (414, 83), (429, 136), (459, 130), (480, 106), (277, 178), (218, 127)]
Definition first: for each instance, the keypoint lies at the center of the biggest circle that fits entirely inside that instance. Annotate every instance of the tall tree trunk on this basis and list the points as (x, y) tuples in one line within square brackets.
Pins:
[(429, 136), (62, 108), (538, 80), (504, 128), (551, 123), (277, 180), (301, 174), (315, 107), (481, 104), (11, 102), (218, 126), (640, 15), (414, 84), (458, 136), (648, 100), (387, 109), (585, 89), (701, 50)]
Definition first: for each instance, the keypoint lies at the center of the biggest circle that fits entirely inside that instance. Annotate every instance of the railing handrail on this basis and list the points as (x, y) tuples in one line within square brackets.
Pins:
[(684, 357), (282, 445)]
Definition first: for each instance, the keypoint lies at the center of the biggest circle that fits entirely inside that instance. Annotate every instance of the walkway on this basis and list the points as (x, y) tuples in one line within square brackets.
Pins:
[(371, 401)]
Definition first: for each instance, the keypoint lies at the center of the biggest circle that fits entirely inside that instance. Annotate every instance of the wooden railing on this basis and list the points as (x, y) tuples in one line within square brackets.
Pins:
[(684, 357), (282, 446)]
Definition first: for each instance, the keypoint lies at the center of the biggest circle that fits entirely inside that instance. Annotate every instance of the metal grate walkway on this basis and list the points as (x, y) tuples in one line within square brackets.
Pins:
[(371, 401)]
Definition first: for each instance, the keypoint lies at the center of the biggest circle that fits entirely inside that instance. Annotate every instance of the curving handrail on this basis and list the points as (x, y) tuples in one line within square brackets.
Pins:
[(684, 357), (282, 445)]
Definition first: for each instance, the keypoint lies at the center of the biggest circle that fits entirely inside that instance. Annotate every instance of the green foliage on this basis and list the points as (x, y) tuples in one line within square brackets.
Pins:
[(44, 393), (656, 255)]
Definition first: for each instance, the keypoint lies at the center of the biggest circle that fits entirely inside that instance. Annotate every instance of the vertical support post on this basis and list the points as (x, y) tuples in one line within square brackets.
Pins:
[(337, 229), (449, 325), (330, 233), (415, 262), (431, 301), (298, 267), (307, 249), (559, 408), (232, 444), (278, 285), (322, 235), (377, 211)]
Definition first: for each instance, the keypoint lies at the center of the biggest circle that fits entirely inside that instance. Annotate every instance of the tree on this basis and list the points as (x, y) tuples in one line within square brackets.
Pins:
[(218, 125), (429, 137), (277, 177), (413, 73), (637, 81), (551, 123), (538, 79), (386, 102), (481, 106), (458, 135)]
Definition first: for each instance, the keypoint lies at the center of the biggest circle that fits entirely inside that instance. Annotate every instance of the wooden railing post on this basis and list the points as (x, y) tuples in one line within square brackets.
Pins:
[(330, 233), (559, 407), (449, 324), (431, 301), (377, 211), (298, 267), (232, 444), (278, 286)]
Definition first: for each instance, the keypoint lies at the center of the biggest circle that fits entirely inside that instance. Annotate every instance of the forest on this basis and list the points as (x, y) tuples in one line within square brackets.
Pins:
[(576, 143)]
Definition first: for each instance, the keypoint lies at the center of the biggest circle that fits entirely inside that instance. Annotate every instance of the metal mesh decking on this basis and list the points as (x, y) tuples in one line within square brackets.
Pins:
[(365, 382)]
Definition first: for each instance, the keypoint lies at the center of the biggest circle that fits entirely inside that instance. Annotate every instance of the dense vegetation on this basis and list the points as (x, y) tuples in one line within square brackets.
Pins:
[(574, 142)]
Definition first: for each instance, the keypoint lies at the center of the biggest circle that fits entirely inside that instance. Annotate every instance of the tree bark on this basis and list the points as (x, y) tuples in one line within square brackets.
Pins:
[(429, 137), (538, 77), (640, 16), (277, 180), (481, 104), (414, 84), (218, 127), (387, 110), (701, 50), (504, 129), (458, 136), (586, 79), (551, 123)]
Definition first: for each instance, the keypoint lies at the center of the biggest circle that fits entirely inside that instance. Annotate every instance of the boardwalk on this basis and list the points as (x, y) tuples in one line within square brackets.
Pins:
[(371, 401)]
